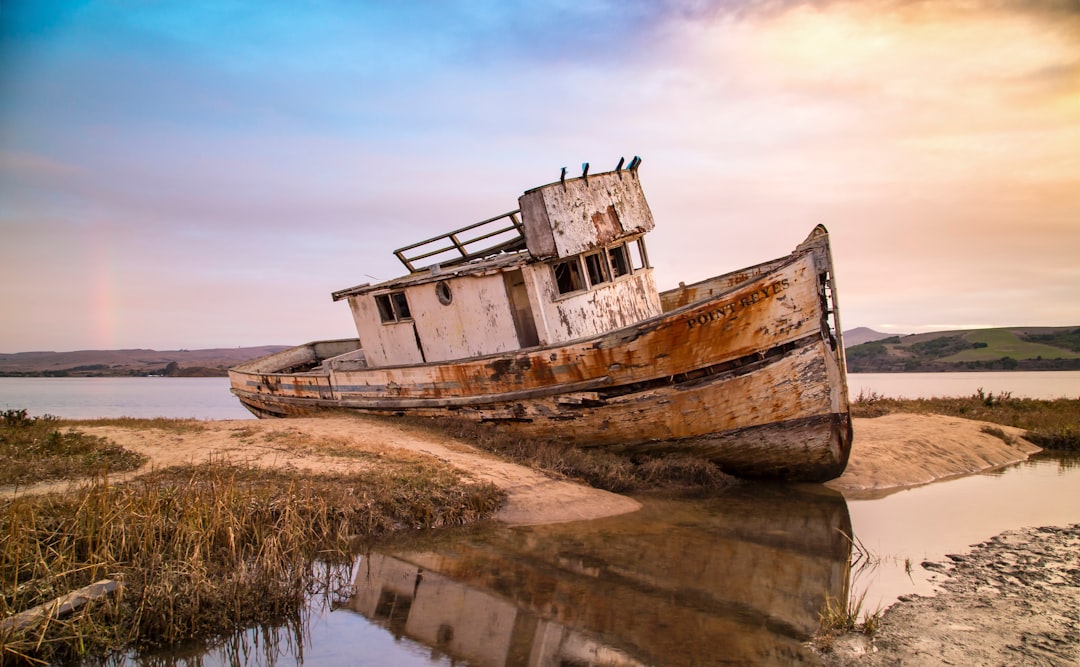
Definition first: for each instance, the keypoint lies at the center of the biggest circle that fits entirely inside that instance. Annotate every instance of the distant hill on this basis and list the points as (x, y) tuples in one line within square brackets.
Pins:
[(99, 363), (860, 335), (1010, 348)]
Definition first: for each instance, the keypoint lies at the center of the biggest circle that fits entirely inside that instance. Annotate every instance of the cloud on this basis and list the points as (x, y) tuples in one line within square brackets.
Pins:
[(235, 156)]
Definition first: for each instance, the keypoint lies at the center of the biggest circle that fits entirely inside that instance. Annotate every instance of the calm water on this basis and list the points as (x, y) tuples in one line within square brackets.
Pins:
[(737, 579), (88, 398), (734, 579), (209, 398), (1022, 384)]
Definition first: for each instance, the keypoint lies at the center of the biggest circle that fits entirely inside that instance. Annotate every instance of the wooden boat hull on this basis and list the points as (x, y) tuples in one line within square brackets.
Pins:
[(745, 369)]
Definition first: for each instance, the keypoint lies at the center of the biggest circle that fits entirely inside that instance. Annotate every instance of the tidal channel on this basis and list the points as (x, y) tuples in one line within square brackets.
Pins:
[(738, 578)]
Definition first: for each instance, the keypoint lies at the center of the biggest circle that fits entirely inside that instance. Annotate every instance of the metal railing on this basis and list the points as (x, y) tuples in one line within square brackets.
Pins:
[(461, 249)]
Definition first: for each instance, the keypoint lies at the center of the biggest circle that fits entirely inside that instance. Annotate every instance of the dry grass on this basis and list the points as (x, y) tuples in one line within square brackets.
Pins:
[(160, 423), (35, 449), (838, 616), (1051, 424), (597, 468), (203, 550)]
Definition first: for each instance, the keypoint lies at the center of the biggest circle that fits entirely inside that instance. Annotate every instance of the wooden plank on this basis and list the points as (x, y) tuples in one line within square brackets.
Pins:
[(61, 607)]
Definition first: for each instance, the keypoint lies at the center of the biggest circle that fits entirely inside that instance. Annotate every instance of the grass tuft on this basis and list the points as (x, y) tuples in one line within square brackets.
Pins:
[(170, 424), (203, 550), (598, 468), (35, 449), (838, 617)]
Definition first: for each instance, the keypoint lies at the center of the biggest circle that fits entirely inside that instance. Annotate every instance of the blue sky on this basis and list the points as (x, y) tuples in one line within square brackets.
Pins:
[(204, 174)]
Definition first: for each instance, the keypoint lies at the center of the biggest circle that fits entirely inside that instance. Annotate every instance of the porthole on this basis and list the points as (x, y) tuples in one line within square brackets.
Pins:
[(442, 290)]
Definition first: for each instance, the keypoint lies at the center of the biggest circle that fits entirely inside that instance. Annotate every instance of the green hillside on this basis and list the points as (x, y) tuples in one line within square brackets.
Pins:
[(1013, 348)]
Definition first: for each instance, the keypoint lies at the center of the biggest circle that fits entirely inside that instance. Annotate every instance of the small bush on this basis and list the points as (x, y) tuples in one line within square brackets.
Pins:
[(34, 449)]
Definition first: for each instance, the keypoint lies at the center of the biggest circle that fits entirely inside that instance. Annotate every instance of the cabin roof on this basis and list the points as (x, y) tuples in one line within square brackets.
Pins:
[(434, 274), (557, 220)]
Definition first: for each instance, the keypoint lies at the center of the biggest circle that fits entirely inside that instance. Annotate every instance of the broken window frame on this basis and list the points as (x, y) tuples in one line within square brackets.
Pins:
[(393, 307), (620, 267), (569, 278), (596, 268), (639, 259), (634, 259)]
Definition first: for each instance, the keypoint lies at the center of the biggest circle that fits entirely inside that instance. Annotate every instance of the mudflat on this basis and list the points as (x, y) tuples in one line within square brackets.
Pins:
[(1012, 600)]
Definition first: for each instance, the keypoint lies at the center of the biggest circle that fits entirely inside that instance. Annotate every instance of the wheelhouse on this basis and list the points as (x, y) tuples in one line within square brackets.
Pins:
[(570, 263)]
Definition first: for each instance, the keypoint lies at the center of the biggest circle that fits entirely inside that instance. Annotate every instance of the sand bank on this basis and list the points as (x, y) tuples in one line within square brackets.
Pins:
[(890, 453), (900, 451), (310, 445)]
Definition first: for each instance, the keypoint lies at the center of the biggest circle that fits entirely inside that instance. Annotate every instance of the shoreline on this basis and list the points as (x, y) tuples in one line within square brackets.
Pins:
[(1009, 600), (904, 450), (890, 453), (322, 444)]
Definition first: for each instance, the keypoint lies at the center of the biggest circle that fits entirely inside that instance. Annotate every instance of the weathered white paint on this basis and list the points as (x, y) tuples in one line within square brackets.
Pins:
[(479, 319), (602, 308), (385, 344), (567, 219)]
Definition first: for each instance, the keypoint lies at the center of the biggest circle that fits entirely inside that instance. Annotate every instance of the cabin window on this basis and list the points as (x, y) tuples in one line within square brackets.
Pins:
[(597, 268), (442, 291), (568, 276), (386, 309), (393, 307), (620, 262), (639, 259), (401, 305)]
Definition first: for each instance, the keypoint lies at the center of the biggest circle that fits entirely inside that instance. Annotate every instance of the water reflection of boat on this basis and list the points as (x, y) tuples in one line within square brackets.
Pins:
[(738, 579)]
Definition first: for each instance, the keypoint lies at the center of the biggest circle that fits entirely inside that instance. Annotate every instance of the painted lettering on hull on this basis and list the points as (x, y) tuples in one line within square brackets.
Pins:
[(727, 310)]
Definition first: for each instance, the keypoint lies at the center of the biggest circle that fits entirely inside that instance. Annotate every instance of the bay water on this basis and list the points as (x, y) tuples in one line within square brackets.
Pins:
[(144, 397), (209, 398)]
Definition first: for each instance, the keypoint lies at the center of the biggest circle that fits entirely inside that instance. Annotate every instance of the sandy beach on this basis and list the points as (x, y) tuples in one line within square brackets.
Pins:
[(1012, 600)]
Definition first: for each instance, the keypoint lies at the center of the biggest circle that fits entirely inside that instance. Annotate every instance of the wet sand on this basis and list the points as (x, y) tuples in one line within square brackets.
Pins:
[(1012, 600)]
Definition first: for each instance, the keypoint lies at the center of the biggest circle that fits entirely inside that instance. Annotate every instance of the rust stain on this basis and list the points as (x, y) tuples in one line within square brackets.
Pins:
[(608, 227)]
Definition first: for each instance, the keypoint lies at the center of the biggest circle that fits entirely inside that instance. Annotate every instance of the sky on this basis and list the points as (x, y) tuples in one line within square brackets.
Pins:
[(196, 174)]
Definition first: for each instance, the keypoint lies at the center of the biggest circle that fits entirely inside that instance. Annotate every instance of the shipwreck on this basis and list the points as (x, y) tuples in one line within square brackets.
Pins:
[(546, 320)]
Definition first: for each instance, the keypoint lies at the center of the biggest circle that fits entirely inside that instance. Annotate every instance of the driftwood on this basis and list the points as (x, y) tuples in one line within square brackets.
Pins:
[(61, 607)]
